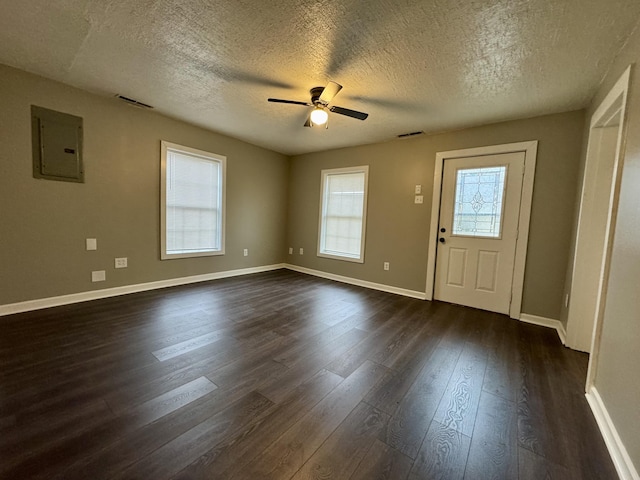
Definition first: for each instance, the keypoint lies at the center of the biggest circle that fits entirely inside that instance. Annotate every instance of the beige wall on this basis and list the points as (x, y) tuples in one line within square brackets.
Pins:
[(43, 224), (398, 229), (617, 380)]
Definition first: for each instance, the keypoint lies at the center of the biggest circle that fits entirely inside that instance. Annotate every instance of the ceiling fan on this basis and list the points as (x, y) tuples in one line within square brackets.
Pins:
[(320, 99)]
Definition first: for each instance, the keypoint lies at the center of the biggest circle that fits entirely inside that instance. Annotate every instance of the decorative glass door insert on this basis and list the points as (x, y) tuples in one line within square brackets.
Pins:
[(478, 202)]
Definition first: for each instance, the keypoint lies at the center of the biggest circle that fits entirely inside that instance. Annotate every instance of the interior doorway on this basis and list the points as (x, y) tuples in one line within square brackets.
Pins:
[(596, 219), (471, 269)]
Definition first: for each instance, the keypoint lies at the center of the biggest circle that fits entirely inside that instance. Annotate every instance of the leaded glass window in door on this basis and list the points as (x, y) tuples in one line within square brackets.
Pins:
[(478, 202)]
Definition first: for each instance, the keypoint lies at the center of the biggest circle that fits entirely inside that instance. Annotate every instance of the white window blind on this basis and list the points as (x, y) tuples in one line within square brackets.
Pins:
[(343, 213), (193, 207)]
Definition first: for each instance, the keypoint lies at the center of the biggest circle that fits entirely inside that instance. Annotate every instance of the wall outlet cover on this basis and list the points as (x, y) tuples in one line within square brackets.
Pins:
[(121, 262), (92, 244), (98, 276)]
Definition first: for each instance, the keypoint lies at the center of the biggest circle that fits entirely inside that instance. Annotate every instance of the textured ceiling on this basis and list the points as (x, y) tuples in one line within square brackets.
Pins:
[(412, 65)]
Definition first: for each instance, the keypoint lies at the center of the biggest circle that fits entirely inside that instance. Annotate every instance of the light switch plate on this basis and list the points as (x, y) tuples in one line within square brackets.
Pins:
[(121, 262), (92, 244), (418, 190)]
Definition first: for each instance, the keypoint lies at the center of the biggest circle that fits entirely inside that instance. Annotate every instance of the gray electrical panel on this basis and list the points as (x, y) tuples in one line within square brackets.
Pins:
[(57, 145)]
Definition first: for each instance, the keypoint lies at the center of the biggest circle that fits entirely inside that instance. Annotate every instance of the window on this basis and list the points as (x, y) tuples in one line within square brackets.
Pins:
[(192, 202), (479, 202), (343, 207)]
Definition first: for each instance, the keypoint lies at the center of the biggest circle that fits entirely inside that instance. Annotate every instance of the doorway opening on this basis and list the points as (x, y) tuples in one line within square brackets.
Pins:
[(596, 223)]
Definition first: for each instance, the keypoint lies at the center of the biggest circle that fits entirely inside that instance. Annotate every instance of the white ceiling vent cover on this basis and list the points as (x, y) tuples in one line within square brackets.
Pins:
[(412, 134), (131, 101)]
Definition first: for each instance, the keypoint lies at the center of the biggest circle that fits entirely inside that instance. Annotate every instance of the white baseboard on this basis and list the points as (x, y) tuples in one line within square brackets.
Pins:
[(360, 283), (546, 322), (141, 287), (113, 292), (624, 466)]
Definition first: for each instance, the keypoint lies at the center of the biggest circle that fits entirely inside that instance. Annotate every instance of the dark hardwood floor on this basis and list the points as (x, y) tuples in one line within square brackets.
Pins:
[(282, 375)]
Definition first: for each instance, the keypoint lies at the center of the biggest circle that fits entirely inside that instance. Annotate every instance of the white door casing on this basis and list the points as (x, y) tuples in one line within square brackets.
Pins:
[(487, 258), (478, 230), (603, 156)]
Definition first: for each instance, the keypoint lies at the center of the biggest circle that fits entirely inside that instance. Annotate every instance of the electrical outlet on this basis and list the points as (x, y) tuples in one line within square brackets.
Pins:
[(301, 251), (246, 252), (290, 250), (386, 265), (92, 244), (418, 199), (98, 276), (121, 262)]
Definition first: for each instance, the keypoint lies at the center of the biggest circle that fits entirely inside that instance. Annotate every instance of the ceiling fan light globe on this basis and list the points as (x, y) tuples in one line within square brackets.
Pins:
[(319, 116)]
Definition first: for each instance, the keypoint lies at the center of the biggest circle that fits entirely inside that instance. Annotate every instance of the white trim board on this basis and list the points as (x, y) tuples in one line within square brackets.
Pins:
[(359, 283), (546, 322), (621, 459), (115, 291), (530, 150), (604, 113)]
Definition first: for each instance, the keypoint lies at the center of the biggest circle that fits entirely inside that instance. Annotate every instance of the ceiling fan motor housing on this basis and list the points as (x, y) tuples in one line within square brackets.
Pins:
[(315, 95)]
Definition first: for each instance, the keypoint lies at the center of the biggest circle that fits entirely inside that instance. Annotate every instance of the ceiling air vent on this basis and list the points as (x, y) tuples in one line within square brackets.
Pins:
[(412, 134), (133, 102)]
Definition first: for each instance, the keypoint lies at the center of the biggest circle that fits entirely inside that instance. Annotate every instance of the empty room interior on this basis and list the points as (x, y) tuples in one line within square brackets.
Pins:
[(349, 239)]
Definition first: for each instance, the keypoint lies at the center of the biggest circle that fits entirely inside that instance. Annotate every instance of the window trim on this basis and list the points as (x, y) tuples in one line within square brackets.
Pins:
[(337, 171), (222, 160)]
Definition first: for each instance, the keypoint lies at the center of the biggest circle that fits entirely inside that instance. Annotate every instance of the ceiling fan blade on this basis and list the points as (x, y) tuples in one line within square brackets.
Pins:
[(277, 100), (308, 122), (330, 91), (349, 113)]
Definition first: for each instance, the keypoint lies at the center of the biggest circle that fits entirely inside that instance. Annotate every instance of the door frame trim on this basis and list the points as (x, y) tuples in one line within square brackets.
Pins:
[(604, 113), (612, 108), (530, 150)]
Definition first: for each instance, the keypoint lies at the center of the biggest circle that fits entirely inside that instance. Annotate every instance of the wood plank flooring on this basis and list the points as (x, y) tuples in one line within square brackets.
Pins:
[(285, 376)]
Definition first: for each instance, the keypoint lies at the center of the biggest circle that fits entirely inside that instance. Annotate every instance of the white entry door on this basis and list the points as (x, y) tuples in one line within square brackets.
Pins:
[(478, 229)]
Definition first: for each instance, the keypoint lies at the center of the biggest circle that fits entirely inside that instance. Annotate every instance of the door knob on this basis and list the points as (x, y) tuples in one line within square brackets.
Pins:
[(441, 240), (443, 229)]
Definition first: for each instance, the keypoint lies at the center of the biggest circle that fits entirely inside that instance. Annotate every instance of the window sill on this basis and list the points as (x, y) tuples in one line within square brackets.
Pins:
[(341, 257), (171, 256)]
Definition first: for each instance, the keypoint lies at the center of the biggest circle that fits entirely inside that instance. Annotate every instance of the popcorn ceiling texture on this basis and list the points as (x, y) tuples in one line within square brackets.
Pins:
[(412, 65)]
